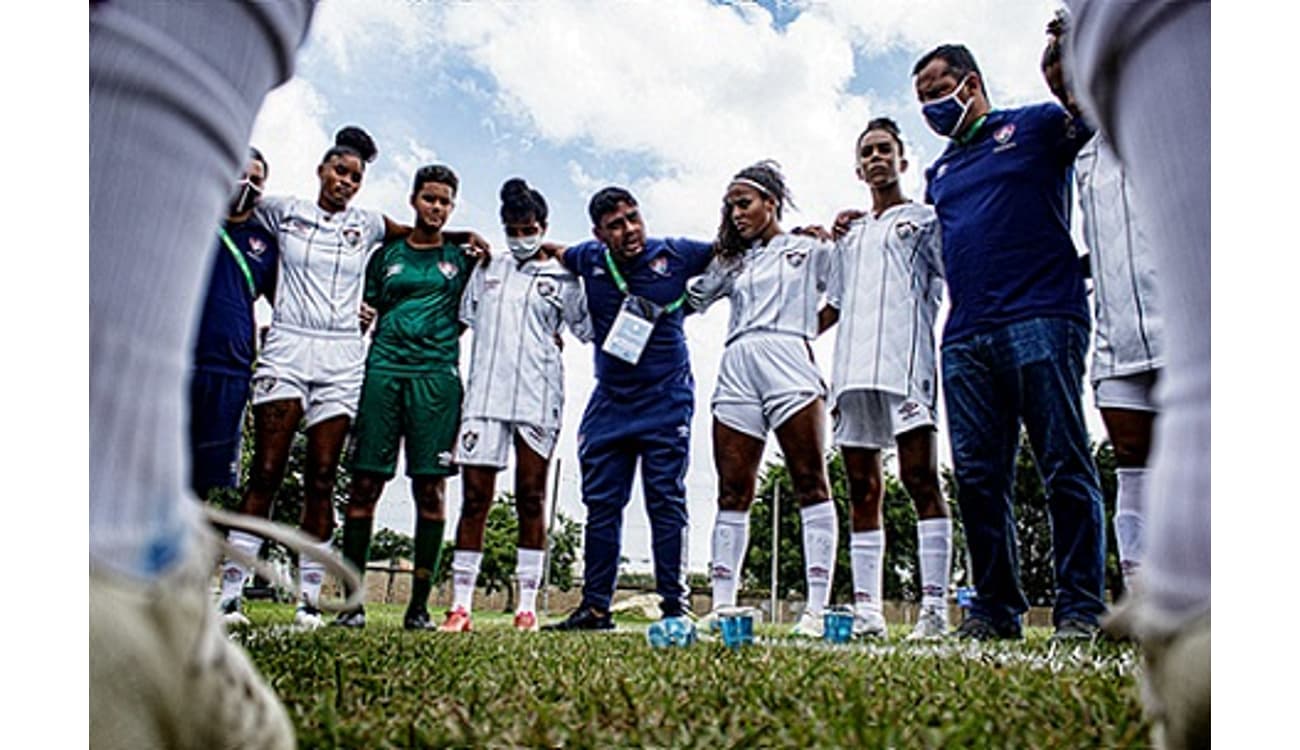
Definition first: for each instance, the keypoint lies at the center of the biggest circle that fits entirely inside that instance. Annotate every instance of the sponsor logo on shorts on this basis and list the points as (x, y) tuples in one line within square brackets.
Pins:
[(536, 433), (444, 458), (393, 270), (469, 441), (796, 257), (448, 268), (905, 229), (909, 409), (263, 385), (546, 287), (660, 265)]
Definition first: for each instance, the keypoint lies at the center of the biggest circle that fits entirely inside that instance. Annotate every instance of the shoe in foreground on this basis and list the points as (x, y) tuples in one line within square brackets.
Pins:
[(677, 631), (931, 624), (232, 614), (1074, 630), (355, 619), (810, 625), (526, 622), (975, 628), (307, 617), (582, 618), (869, 625), (457, 621)]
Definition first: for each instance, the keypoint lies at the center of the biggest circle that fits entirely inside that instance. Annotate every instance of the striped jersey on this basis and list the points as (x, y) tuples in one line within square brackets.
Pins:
[(1129, 327), (774, 287), (516, 372), (322, 264), (888, 288)]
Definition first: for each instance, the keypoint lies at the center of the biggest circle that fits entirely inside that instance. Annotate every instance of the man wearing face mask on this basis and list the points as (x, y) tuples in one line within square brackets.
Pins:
[(1015, 339), (245, 264)]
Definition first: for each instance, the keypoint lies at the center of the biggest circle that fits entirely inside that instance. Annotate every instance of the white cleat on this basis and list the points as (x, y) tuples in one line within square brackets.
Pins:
[(810, 625), (232, 614), (869, 625), (931, 625), (307, 617)]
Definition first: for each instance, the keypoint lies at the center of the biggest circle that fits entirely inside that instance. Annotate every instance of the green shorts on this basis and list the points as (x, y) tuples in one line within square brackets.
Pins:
[(424, 410)]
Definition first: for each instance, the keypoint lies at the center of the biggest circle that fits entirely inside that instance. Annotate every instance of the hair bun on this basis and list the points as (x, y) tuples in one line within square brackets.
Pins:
[(515, 187), (358, 140)]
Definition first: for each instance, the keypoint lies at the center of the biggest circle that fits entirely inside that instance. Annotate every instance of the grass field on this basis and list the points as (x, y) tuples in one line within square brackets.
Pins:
[(384, 687)]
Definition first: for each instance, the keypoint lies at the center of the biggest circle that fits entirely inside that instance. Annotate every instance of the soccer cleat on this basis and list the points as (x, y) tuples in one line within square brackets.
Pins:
[(676, 631), (582, 618), (418, 621), (1072, 630), (932, 624), (307, 617), (810, 625), (356, 619), (163, 673), (526, 622), (711, 623), (232, 614), (869, 625), (457, 622), (982, 629)]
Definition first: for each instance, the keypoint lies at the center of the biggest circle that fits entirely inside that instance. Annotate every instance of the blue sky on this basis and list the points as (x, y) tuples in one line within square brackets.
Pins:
[(668, 99)]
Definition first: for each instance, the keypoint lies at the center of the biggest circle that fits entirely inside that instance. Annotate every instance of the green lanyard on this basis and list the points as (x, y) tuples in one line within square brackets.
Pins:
[(966, 137), (622, 284), (239, 259)]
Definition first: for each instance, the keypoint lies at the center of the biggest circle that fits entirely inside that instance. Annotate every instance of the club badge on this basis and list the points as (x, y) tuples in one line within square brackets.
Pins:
[(448, 268), (546, 287), (352, 236), (905, 229), (1005, 132), (256, 247), (469, 441), (796, 257), (660, 265)]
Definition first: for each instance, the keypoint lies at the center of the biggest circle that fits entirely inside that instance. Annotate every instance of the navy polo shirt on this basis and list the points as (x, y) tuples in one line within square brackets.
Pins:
[(1003, 201), (226, 336), (659, 274)]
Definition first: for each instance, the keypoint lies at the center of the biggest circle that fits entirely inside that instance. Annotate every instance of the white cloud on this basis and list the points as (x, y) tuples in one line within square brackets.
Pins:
[(290, 131), (349, 30)]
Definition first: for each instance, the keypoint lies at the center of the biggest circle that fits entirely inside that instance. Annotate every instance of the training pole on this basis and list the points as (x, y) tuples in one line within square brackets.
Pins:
[(550, 528), (776, 525)]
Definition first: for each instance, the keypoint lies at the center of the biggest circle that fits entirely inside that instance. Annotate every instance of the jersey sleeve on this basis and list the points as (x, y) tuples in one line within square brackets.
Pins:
[(272, 275), (574, 310), (835, 285), (578, 258), (931, 245), (271, 211), (716, 282), (698, 255), (374, 292), (1067, 134), (824, 260), (374, 222), (472, 296)]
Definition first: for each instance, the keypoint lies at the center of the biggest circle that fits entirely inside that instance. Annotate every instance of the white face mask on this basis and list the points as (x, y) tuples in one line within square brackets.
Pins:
[(524, 248)]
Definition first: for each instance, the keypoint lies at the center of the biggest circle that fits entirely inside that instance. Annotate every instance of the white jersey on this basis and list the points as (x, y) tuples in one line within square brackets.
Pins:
[(516, 373), (888, 288), (1129, 327), (322, 264), (774, 287)]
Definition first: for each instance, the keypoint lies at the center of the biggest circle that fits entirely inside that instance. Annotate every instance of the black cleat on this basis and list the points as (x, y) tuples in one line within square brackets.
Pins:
[(1072, 630), (418, 621), (982, 629), (356, 619), (583, 618)]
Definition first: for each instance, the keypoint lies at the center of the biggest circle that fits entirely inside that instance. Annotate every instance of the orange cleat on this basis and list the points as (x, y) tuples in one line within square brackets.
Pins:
[(525, 621), (457, 622)]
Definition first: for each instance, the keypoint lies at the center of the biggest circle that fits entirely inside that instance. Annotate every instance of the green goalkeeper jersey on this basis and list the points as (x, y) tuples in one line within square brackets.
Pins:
[(417, 293)]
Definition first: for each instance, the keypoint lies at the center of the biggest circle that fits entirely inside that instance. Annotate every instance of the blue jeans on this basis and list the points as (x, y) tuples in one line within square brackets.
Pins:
[(652, 429), (1028, 372)]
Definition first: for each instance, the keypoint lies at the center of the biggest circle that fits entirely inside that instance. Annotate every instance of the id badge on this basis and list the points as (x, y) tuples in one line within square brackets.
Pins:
[(631, 330)]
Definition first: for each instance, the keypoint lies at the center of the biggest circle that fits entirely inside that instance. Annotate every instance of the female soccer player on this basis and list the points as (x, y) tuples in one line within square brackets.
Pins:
[(517, 305), (412, 387), (768, 380), (884, 380), (312, 364)]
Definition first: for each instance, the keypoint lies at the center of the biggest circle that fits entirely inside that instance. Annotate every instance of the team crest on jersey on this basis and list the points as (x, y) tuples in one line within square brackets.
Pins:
[(263, 385), (905, 229), (1005, 132), (448, 268), (352, 236), (392, 270), (256, 247), (660, 265), (796, 257), (469, 441), (299, 227), (546, 287)]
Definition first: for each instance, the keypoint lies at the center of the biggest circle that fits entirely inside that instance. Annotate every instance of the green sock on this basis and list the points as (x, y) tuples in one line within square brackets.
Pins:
[(428, 548), (356, 542)]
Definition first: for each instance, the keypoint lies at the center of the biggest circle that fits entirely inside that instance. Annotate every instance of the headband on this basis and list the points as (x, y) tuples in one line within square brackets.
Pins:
[(753, 184)]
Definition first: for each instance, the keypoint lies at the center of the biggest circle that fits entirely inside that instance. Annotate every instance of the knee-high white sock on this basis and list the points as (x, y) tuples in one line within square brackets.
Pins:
[(1130, 509), (311, 574), (730, 540), (820, 535), (234, 573), (528, 569), (934, 548), (867, 553), (464, 577)]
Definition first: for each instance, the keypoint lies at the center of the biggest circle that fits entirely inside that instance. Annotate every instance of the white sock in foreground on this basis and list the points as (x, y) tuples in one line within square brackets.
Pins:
[(464, 577), (820, 535), (233, 573), (528, 569), (934, 548), (867, 553), (311, 575), (1130, 509), (730, 540)]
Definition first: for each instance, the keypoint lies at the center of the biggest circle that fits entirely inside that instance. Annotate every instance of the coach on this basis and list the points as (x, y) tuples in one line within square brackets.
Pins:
[(641, 407), (1014, 343)]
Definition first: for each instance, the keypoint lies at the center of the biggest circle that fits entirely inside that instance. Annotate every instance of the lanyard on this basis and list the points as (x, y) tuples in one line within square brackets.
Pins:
[(239, 259), (966, 137), (622, 284)]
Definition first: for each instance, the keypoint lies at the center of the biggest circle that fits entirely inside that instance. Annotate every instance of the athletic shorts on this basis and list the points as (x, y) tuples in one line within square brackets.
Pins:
[(1135, 392), (323, 373), (487, 442), (422, 411), (217, 402), (764, 379), (864, 418)]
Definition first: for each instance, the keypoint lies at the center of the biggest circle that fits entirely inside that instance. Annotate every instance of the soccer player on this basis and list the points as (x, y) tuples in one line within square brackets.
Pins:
[(412, 387), (244, 265), (1015, 339), (768, 381), (640, 410), (517, 305), (1128, 343), (1142, 72), (883, 377)]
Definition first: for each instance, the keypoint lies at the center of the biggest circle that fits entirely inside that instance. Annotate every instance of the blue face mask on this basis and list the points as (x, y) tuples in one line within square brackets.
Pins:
[(943, 115)]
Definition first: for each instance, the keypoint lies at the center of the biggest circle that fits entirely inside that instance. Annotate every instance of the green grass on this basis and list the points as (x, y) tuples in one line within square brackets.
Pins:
[(384, 687)]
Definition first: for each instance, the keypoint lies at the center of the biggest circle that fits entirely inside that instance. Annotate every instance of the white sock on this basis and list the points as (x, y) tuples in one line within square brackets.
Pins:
[(820, 535), (934, 547), (311, 574), (1130, 510), (233, 573), (464, 577), (528, 569), (730, 540), (867, 553)]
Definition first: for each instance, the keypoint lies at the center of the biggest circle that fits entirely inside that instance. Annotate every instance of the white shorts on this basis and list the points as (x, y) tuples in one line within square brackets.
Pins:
[(323, 373), (764, 380), (1135, 392), (872, 419), (487, 442)]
